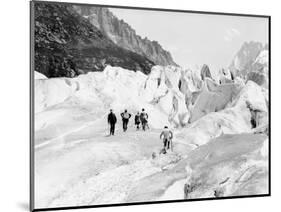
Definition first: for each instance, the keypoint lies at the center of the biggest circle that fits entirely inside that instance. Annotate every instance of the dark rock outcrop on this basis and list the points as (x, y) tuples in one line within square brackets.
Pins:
[(205, 72), (124, 35), (67, 44)]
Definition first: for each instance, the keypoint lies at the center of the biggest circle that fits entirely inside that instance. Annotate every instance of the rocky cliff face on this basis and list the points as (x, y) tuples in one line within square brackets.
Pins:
[(246, 57), (124, 35), (251, 62), (67, 44)]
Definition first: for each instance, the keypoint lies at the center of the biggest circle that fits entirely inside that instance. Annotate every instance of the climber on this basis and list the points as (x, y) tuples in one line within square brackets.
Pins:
[(111, 119), (125, 119), (187, 190), (137, 120), (144, 119), (167, 136)]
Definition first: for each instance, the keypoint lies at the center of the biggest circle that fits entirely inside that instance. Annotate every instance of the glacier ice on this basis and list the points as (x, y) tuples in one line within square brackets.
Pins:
[(215, 143)]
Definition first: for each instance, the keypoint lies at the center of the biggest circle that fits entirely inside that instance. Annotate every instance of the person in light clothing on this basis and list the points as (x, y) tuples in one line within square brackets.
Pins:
[(125, 119), (167, 136)]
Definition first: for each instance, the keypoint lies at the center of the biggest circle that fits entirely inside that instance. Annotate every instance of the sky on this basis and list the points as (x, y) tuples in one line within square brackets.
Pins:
[(196, 39)]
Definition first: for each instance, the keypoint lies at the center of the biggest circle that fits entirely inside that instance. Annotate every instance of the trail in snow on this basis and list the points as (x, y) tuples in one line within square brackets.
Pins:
[(96, 169), (110, 186)]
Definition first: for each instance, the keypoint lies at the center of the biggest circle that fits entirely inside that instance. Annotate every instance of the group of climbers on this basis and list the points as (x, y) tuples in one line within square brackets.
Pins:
[(140, 119)]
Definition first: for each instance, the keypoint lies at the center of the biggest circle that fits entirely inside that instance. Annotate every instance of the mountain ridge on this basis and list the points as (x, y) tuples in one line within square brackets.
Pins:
[(122, 34), (67, 45)]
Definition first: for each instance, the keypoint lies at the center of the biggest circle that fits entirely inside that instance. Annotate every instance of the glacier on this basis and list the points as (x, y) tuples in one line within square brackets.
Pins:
[(220, 137)]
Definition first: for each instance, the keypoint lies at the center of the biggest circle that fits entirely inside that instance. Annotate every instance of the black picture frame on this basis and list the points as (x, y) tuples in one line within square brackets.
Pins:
[(31, 105)]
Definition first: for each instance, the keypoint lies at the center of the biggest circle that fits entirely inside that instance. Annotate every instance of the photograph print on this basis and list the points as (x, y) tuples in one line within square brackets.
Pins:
[(140, 105)]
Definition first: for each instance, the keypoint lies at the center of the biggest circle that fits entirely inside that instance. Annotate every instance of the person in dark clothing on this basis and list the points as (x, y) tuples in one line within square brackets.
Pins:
[(144, 119), (137, 120), (125, 119), (111, 119)]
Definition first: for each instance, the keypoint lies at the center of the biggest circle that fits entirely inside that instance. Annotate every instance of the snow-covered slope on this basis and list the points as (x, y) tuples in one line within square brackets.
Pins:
[(38, 75), (262, 58), (213, 98), (213, 126), (230, 165), (234, 119), (159, 92)]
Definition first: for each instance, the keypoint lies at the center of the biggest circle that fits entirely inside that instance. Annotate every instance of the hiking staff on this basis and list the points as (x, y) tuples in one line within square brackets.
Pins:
[(171, 144)]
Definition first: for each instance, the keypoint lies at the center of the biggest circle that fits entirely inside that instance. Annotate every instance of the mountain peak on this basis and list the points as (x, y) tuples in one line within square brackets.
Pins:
[(246, 55), (251, 62)]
